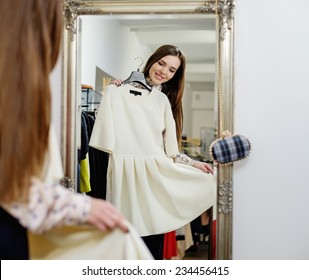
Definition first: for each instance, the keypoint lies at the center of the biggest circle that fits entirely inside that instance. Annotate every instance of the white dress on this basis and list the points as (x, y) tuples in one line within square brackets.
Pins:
[(156, 194)]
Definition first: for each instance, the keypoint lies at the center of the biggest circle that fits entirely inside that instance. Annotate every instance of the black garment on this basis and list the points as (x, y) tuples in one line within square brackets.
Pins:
[(13, 238), (155, 244), (84, 149), (98, 163)]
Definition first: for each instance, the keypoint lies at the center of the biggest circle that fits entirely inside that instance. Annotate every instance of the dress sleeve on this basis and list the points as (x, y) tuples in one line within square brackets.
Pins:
[(103, 136), (50, 206), (171, 145)]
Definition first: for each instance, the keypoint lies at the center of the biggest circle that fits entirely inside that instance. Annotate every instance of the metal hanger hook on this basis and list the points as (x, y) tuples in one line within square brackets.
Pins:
[(138, 68)]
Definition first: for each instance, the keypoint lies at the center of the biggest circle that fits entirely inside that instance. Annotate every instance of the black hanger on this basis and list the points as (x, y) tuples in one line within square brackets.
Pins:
[(137, 77)]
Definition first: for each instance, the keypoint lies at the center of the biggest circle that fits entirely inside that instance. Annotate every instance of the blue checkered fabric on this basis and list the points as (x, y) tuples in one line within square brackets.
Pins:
[(230, 149)]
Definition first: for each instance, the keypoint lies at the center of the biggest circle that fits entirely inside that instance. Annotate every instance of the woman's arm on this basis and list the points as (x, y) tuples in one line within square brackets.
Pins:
[(183, 158), (53, 205)]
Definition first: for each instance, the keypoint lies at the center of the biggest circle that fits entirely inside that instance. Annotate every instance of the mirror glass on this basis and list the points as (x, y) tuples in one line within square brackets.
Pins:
[(110, 47)]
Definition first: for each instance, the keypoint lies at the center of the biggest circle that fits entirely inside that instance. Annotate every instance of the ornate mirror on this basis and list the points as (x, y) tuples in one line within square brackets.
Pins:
[(202, 29)]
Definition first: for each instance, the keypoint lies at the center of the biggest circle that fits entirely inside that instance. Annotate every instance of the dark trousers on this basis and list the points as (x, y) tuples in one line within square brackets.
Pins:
[(13, 238), (155, 245)]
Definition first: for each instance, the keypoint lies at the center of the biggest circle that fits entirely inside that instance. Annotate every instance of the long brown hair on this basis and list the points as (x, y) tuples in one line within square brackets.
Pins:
[(174, 87), (29, 49)]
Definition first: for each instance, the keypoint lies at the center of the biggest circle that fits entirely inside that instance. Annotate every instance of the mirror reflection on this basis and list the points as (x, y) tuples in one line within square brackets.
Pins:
[(111, 47)]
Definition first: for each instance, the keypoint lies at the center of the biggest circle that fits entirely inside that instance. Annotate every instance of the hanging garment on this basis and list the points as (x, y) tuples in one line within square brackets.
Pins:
[(170, 245), (84, 176), (98, 162), (156, 194)]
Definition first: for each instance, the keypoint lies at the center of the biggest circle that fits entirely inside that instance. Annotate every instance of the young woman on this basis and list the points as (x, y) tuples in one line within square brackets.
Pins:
[(27, 57), (155, 186)]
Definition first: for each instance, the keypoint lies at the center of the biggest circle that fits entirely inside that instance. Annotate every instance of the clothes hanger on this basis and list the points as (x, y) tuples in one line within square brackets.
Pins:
[(138, 77)]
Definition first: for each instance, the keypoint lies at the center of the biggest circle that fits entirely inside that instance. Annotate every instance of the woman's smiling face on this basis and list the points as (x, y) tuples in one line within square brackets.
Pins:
[(164, 69)]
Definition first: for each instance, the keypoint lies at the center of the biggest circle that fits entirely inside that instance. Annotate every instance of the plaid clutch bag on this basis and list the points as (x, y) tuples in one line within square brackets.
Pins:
[(229, 148)]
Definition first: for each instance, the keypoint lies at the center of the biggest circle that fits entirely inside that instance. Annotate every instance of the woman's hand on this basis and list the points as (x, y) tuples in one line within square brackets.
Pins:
[(105, 216), (203, 166), (117, 82)]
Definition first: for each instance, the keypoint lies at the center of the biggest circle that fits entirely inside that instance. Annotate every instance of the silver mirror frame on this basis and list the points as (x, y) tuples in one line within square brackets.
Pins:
[(74, 8)]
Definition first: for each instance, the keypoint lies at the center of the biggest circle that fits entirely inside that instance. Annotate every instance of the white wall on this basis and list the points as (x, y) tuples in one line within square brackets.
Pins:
[(271, 188), (108, 50)]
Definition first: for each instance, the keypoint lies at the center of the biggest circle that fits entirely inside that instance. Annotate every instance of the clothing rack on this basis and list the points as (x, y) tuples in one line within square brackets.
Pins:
[(90, 99), (95, 176)]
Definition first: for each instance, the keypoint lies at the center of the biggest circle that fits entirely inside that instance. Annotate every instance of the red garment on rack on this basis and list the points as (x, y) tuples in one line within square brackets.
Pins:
[(170, 245), (213, 239)]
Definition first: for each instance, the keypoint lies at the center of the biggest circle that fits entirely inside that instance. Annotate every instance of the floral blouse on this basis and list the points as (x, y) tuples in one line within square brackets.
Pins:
[(50, 205)]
